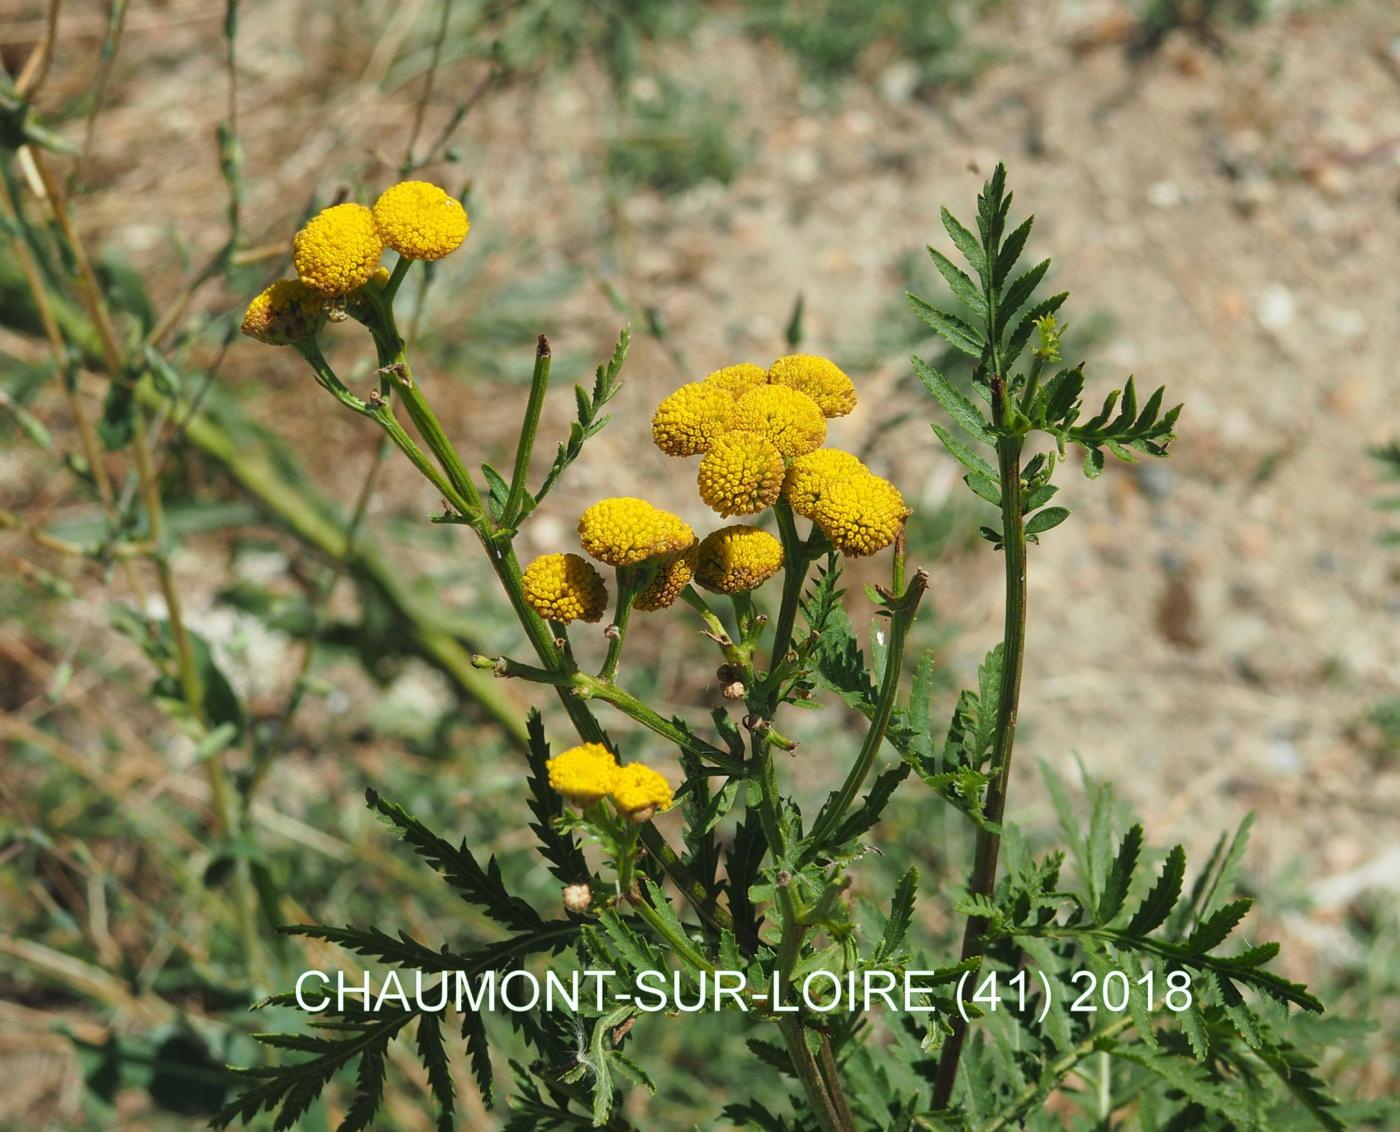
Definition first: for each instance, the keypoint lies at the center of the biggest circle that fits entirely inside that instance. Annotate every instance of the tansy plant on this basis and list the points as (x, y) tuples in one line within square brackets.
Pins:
[(687, 854)]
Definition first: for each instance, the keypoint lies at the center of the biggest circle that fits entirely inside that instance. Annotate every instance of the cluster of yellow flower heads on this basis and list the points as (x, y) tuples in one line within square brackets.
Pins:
[(759, 433), (589, 773), (338, 252)]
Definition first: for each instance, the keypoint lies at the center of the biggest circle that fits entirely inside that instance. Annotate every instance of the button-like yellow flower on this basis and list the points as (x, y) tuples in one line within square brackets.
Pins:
[(737, 558), (738, 379), (624, 531), (691, 419), (672, 576), (821, 379), (420, 221), (338, 250), (583, 774), (741, 475), (860, 514), (564, 588), (789, 419), (812, 474), (286, 312), (638, 792)]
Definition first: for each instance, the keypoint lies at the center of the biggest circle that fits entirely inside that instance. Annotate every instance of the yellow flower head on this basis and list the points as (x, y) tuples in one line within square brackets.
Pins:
[(420, 221), (811, 475), (738, 558), (583, 774), (338, 250), (672, 577), (738, 379), (791, 420), (624, 531), (564, 588), (638, 792), (822, 380), (691, 419), (286, 312), (741, 475), (860, 514)]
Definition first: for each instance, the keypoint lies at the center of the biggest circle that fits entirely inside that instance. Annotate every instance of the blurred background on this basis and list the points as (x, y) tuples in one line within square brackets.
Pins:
[(1218, 634)]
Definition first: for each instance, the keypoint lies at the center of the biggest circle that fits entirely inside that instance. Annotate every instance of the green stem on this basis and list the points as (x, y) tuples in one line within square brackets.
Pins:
[(826, 1062), (383, 416), (794, 574), (617, 632), (594, 687), (396, 278), (823, 1109), (988, 846), (829, 819), (430, 429), (539, 384), (717, 632)]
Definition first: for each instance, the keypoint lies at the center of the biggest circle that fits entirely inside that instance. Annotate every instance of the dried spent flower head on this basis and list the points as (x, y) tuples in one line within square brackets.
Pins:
[(624, 531), (338, 250), (737, 558), (691, 419), (741, 475), (583, 774), (577, 897), (787, 418), (820, 378), (672, 576), (638, 792), (564, 588), (420, 220), (288, 311), (738, 379), (809, 477), (861, 514)]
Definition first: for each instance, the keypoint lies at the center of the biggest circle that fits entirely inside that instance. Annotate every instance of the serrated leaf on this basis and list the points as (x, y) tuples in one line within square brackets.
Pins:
[(900, 917), (433, 1055), (1018, 293), (965, 455), (955, 404), (960, 283), (1010, 251), (1120, 877), (482, 887), (1158, 903), (965, 242), (950, 328), (565, 857), (1212, 931)]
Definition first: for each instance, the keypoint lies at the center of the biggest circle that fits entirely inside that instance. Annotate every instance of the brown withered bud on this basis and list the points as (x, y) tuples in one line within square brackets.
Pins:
[(734, 690), (577, 897)]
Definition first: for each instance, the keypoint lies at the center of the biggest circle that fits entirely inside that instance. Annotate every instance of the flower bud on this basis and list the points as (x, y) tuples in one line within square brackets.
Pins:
[(577, 897)]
